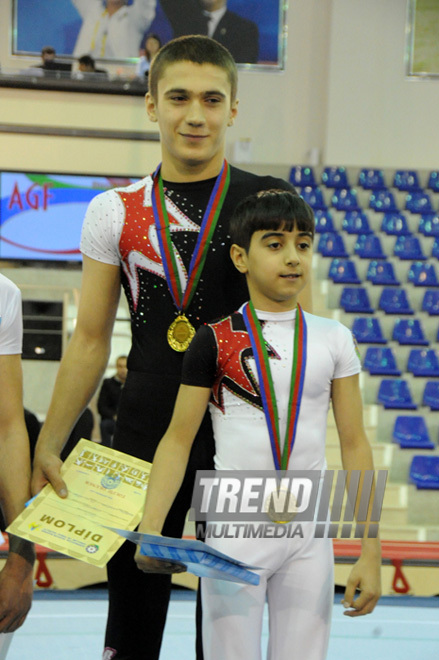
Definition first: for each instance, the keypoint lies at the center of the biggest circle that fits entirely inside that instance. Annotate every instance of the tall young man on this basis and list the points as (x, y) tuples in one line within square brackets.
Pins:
[(166, 240)]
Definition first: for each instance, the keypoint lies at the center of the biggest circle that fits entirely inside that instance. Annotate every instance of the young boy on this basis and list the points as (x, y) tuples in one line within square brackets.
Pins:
[(272, 234), (192, 98)]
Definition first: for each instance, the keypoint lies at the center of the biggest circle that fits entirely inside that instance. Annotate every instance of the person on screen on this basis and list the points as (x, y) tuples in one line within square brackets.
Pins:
[(192, 98), (150, 48), (112, 29), (211, 17), (16, 577)]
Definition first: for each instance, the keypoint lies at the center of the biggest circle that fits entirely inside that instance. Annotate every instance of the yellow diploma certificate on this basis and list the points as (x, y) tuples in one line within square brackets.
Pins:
[(106, 488)]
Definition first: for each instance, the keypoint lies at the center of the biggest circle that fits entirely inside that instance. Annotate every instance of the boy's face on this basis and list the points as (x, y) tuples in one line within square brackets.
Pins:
[(193, 109), (277, 266)]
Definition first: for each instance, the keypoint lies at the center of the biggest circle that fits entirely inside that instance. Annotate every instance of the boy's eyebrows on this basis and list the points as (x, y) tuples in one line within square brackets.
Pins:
[(183, 90), (269, 234)]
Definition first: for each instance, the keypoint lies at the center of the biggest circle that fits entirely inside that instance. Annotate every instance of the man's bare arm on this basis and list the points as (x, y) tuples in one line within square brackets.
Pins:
[(81, 369)]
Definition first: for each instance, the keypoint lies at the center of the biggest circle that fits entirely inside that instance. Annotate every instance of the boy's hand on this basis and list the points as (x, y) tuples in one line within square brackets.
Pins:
[(47, 469), (366, 577), (153, 565)]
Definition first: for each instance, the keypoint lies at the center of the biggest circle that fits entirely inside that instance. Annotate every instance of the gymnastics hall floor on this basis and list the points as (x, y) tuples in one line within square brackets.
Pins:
[(70, 625)]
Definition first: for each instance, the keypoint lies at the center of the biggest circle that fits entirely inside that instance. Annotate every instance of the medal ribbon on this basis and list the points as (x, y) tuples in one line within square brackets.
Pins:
[(280, 455), (208, 224)]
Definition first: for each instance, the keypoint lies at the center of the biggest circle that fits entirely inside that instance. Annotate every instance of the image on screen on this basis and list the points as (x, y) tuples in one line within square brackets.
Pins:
[(41, 215)]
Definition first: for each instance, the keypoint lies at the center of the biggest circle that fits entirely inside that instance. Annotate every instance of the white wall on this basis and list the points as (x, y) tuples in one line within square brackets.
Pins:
[(376, 115)]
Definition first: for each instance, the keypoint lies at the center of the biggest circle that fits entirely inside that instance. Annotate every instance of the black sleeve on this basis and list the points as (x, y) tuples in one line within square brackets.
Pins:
[(200, 360)]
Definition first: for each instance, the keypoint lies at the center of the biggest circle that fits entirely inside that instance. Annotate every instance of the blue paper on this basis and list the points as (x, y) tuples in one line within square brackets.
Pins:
[(199, 558)]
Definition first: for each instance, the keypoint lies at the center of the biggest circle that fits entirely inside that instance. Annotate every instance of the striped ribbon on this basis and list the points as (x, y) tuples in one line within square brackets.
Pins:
[(281, 454), (182, 298)]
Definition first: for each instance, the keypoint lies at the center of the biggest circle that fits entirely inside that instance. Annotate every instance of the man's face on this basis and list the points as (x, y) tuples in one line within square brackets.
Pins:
[(121, 369), (193, 109), (212, 5)]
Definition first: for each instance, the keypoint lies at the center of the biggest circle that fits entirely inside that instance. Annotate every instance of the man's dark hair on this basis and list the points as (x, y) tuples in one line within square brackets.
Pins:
[(87, 60), (198, 49), (48, 50), (270, 209)]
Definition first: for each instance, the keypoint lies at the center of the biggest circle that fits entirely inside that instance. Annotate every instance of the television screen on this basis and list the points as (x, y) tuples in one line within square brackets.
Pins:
[(41, 215)]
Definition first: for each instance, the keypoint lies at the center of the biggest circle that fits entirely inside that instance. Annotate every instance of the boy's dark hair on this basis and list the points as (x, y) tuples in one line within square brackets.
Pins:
[(198, 49), (270, 209)]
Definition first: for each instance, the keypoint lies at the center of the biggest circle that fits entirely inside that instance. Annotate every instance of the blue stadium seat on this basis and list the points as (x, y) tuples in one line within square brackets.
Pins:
[(429, 224), (331, 244), (301, 176), (356, 222), (314, 197), (355, 299), (406, 180), (409, 332), (368, 246), (368, 331), (430, 396), (430, 302), (433, 181), (408, 248), (345, 199), (395, 224), (335, 177), (394, 393), (394, 301), (435, 248), (382, 201), (421, 274), (381, 272), (343, 271), (423, 362), (411, 432), (424, 472), (381, 362), (419, 202), (324, 221), (371, 179)]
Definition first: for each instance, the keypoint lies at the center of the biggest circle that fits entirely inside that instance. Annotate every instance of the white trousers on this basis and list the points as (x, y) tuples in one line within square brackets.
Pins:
[(297, 582)]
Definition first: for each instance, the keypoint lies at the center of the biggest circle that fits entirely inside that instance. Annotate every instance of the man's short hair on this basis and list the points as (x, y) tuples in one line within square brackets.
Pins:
[(198, 49), (48, 50), (87, 60), (270, 209)]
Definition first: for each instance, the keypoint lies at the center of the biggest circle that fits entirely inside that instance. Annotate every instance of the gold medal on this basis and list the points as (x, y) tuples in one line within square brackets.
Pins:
[(180, 333), (284, 509)]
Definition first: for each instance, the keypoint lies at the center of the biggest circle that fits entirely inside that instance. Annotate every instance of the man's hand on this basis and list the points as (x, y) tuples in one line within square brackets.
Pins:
[(366, 577), (16, 587), (47, 469)]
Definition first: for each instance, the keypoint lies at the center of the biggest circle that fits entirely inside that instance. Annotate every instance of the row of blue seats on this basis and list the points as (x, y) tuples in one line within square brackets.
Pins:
[(369, 246), (392, 301), (395, 394), (421, 362), (382, 362), (381, 201), (368, 178), (381, 273), (394, 223), (407, 332)]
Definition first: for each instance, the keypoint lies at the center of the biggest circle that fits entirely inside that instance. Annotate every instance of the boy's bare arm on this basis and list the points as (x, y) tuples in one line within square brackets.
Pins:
[(80, 371), (357, 455), (169, 466)]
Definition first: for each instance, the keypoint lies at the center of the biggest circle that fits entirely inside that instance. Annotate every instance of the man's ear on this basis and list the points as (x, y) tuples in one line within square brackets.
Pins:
[(150, 107), (239, 257), (233, 112)]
